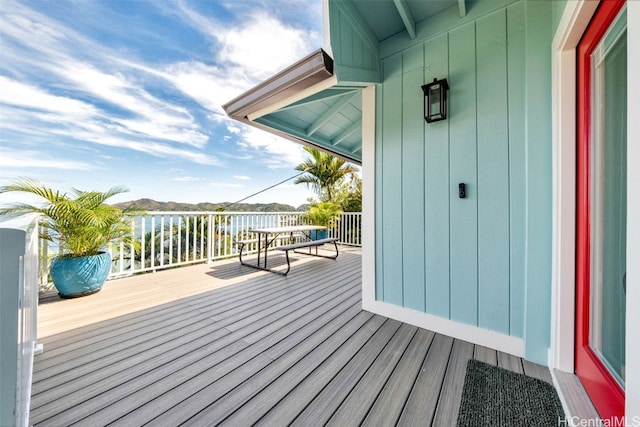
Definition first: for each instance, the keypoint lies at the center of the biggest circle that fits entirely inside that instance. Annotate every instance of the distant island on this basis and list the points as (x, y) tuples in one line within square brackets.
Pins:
[(153, 205)]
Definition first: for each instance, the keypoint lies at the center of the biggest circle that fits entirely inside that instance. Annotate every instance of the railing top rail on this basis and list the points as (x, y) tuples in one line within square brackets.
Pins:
[(149, 213)]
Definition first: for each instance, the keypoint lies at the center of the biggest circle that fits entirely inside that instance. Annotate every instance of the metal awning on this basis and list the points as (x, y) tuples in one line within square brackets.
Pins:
[(293, 81)]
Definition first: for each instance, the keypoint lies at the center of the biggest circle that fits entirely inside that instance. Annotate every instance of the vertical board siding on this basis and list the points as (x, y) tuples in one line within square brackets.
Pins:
[(539, 185), (493, 173), (436, 187), (349, 48), (392, 183), (470, 266), (515, 87), (413, 180), (345, 37), (463, 169)]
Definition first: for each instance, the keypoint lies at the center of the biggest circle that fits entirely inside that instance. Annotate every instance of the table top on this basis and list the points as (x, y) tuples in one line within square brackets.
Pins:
[(288, 229)]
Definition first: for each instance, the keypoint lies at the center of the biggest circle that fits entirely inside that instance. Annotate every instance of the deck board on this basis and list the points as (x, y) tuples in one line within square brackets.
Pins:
[(225, 344), (389, 404), (421, 404), (161, 373), (451, 394), (355, 408), (193, 396)]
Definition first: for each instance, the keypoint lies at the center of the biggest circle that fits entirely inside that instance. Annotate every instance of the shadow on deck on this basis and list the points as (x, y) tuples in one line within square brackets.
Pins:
[(225, 344)]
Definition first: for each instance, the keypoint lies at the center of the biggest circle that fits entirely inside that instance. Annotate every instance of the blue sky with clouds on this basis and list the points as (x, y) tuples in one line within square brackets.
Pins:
[(95, 94)]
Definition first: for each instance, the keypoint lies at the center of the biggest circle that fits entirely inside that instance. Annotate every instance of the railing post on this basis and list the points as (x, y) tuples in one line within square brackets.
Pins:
[(43, 254), (19, 277), (210, 234)]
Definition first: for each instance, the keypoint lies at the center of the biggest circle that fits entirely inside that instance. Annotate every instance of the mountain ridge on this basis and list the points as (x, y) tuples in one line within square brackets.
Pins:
[(171, 206)]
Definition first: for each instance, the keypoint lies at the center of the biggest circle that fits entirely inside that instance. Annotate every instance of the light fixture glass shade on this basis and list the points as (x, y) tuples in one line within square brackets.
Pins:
[(435, 100)]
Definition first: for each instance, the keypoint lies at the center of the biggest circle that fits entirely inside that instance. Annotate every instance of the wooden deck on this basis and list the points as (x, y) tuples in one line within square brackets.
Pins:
[(225, 344)]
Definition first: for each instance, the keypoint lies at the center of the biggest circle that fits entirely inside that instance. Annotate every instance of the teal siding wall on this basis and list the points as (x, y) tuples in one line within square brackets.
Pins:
[(539, 189), (517, 155), (484, 260), (463, 163), (355, 47), (436, 189)]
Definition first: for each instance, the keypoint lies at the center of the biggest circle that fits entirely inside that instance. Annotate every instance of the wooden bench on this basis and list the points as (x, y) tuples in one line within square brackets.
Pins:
[(308, 244)]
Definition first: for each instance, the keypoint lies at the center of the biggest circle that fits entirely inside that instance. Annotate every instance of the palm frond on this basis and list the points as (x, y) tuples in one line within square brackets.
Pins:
[(82, 222)]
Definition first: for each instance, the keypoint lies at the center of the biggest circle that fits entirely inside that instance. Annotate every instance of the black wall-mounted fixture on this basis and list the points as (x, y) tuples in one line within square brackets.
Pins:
[(435, 100), (462, 190)]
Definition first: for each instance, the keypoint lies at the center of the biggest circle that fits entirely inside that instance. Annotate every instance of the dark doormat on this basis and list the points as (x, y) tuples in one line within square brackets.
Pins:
[(493, 396)]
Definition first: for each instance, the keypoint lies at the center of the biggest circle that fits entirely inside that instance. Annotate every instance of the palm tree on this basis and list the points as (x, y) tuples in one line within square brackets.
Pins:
[(323, 172), (83, 224)]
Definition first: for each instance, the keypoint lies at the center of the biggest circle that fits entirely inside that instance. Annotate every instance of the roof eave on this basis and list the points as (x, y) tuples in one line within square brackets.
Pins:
[(309, 71)]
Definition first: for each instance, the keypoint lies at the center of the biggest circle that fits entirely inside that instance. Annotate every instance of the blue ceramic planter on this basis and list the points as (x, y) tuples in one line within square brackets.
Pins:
[(80, 276), (319, 234)]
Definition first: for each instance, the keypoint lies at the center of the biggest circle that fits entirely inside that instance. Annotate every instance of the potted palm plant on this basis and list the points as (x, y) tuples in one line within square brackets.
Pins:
[(82, 225), (324, 214)]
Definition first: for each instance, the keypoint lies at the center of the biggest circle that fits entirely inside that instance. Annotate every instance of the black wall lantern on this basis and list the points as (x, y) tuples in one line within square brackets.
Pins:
[(435, 100)]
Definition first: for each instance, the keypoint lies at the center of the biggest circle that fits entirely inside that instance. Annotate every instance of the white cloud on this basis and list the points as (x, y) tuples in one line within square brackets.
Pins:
[(33, 30), (28, 96), (247, 51), (78, 89), (187, 179), (149, 115), (262, 45), (33, 159), (242, 177), (272, 150), (32, 111), (209, 85), (87, 73), (225, 185)]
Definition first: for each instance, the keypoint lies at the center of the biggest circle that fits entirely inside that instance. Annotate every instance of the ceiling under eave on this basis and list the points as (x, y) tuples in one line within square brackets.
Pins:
[(309, 104), (390, 17), (331, 119), (306, 104)]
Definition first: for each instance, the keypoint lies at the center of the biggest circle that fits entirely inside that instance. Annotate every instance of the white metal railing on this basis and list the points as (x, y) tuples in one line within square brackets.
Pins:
[(171, 239), (19, 302)]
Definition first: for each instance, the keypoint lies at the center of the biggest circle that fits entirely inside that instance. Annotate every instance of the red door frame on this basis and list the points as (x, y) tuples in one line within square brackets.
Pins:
[(605, 392)]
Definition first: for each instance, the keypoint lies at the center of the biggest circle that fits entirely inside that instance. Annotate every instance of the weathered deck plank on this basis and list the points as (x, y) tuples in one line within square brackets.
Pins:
[(280, 378), (329, 400), (388, 407), (171, 363), (224, 344), (421, 404), (180, 340), (356, 406), (510, 362), (193, 396), (451, 394)]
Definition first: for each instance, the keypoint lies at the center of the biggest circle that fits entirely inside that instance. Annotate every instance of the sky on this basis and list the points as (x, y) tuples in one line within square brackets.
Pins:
[(102, 93)]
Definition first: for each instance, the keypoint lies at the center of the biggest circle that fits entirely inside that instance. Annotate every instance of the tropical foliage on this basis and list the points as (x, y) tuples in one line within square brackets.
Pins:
[(349, 194), (323, 213), (82, 223), (324, 173)]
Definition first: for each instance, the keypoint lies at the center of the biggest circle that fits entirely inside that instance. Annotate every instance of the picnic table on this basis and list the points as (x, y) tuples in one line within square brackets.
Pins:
[(267, 236)]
